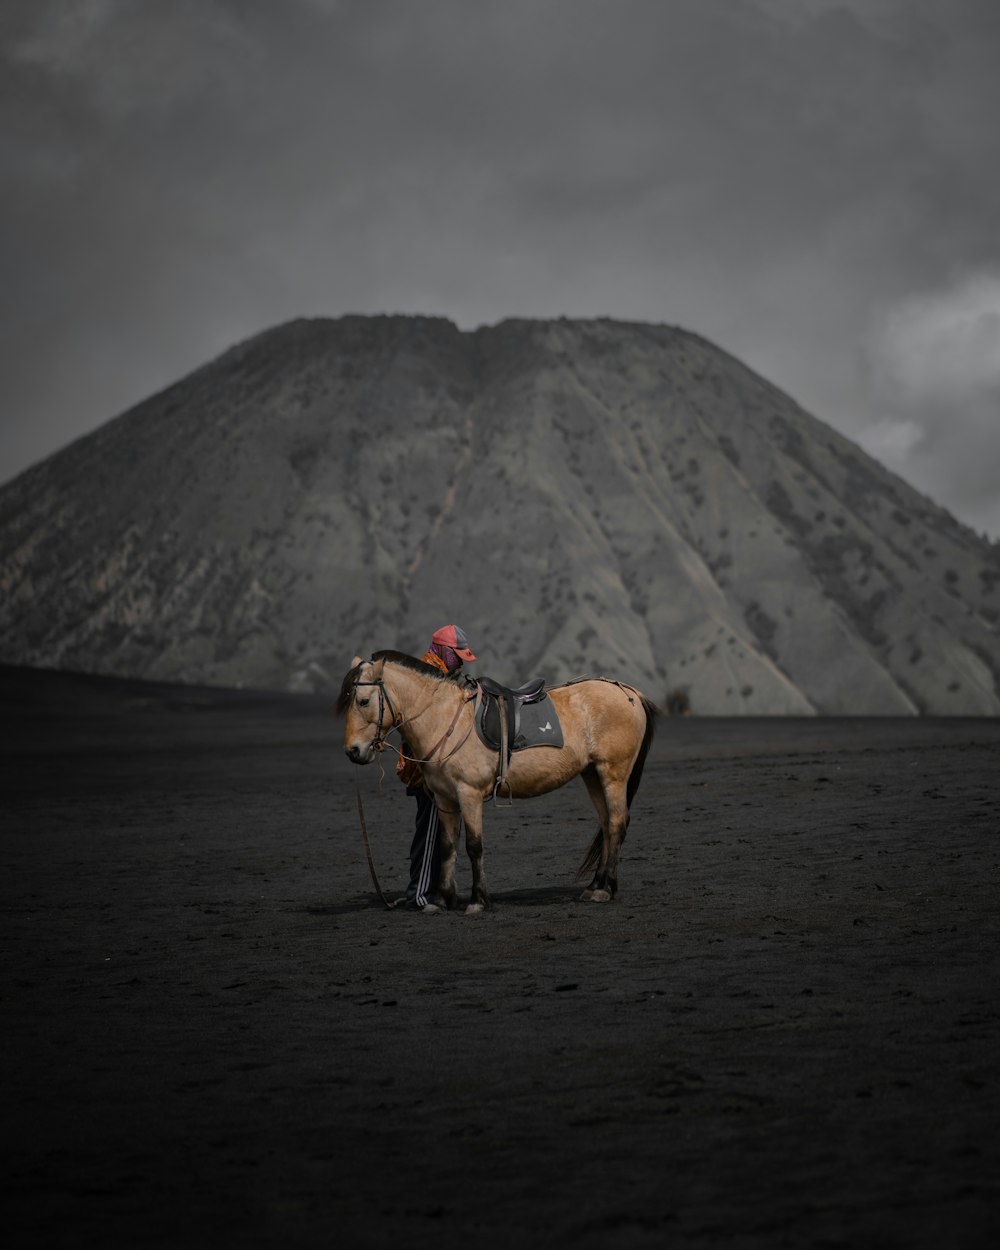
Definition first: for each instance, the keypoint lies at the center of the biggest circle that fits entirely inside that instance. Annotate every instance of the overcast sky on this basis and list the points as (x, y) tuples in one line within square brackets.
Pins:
[(813, 184)]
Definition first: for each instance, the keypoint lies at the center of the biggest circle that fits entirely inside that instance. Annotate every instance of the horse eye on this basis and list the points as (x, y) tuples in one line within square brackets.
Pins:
[(364, 702)]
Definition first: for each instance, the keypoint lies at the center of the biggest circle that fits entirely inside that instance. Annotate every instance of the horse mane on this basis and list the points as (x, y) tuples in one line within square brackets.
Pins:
[(412, 663), (391, 657), (347, 689)]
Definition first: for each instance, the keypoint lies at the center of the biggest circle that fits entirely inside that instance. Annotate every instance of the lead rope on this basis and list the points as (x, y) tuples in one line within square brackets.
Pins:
[(368, 850)]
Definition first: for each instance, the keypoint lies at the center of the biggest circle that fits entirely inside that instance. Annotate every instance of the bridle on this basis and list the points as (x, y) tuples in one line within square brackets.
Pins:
[(378, 743)]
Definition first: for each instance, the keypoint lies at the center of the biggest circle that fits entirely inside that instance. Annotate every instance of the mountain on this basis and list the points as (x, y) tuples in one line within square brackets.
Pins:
[(582, 497)]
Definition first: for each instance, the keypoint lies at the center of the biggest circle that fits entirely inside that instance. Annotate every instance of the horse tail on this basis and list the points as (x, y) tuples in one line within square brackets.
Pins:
[(593, 856), (635, 776)]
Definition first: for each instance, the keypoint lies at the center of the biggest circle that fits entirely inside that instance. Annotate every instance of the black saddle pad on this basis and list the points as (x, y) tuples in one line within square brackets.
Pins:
[(536, 725)]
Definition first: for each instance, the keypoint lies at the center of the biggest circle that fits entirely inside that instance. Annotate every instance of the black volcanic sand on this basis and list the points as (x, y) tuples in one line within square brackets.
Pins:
[(784, 1033)]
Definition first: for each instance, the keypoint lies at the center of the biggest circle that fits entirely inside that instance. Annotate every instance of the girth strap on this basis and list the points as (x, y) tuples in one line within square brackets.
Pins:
[(507, 731)]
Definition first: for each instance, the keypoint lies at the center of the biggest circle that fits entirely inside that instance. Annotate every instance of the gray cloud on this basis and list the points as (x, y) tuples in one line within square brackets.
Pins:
[(934, 387), (783, 177)]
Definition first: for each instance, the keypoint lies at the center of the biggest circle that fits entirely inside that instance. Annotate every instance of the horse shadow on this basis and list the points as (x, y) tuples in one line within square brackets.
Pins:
[(533, 896), (538, 896)]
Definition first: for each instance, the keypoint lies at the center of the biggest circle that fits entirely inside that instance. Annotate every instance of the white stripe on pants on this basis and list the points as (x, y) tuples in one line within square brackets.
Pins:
[(424, 882)]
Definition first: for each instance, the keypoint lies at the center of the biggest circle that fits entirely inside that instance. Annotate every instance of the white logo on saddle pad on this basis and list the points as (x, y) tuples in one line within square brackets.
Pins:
[(543, 728)]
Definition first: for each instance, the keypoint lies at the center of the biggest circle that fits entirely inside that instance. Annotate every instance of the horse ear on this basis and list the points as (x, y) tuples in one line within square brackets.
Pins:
[(356, 661)]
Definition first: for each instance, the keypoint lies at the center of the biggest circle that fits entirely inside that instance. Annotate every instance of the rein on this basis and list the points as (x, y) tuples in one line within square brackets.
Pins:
[(380, 743), (447, 734)]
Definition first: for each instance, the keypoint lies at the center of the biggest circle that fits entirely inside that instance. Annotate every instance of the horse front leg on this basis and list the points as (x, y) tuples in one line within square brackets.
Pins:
[(449, 822), (472, 814)]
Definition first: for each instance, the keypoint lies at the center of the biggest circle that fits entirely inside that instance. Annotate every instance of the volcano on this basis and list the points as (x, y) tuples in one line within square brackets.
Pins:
[(582, 497)]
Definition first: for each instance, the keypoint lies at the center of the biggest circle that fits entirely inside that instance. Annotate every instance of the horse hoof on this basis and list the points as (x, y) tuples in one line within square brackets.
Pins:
[(598, 896), (474, 909), (430, 908)]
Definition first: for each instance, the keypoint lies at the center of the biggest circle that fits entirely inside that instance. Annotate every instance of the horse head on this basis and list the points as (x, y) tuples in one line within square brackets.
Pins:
[(368, 709)]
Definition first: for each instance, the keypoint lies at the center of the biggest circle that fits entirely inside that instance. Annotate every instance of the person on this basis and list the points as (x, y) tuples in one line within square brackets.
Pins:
[(448, 651)]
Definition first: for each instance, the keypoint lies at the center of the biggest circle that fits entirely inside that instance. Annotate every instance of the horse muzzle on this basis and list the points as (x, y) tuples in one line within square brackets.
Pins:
[(360, 755)]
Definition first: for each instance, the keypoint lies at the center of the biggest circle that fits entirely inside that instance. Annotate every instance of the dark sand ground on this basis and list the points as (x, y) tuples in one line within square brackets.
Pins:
[(786, 1031)]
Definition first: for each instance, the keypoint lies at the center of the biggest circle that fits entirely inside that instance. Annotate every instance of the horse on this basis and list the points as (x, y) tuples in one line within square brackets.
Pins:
[(607, 730)]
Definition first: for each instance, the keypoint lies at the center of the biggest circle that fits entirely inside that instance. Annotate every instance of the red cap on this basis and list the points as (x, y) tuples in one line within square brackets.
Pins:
[(452, 636)]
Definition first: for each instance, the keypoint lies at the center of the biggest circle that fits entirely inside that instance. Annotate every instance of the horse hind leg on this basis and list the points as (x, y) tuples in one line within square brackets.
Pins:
[(596, 891), (608, 795)]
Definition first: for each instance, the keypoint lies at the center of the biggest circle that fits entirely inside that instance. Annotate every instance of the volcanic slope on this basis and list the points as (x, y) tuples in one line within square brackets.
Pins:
[(582, 497)]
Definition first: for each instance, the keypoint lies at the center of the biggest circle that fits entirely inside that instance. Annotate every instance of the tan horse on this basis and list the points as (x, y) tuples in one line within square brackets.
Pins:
[(607, 730)]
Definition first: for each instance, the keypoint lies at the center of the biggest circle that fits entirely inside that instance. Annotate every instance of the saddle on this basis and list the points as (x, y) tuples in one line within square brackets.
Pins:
[(499, 722), (513, 719)]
